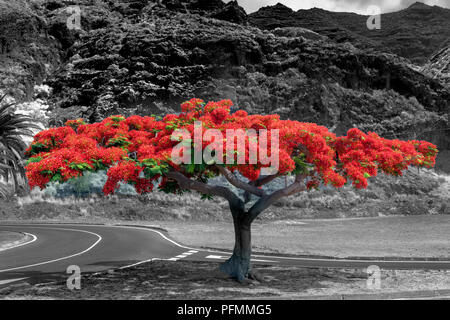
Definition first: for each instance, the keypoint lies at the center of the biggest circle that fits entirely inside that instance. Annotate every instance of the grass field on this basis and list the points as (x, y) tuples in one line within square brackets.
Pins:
[(408, 236)]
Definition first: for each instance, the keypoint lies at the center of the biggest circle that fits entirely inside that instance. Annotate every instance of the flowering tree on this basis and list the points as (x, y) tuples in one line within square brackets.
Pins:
[(147, 151)]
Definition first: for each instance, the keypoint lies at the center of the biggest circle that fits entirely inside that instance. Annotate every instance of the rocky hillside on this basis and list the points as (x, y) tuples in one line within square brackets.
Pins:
[(28, 54), (145, 57), (439, 66), (414, 33)]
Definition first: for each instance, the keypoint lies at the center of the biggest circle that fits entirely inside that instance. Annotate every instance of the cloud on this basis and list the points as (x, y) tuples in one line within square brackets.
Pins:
[(359, 6)]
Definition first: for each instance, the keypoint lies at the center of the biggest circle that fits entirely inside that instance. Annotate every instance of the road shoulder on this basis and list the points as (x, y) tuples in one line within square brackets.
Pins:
[(10, 240)]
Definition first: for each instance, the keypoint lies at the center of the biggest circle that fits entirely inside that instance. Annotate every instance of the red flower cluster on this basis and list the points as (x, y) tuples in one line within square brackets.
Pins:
[(361, 155), (128, 172), (74, 124), (138, 150)]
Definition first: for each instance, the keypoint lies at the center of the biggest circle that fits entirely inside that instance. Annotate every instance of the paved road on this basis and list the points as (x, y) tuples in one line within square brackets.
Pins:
[(53, 248)]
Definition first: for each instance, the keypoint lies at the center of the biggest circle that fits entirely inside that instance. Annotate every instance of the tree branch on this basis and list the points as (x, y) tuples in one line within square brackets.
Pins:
[(235, 181), (204, 188), (263, 180), (267, 201)]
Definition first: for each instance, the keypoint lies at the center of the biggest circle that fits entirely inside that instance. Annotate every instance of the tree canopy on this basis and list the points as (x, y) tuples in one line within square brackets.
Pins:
[(138, 150)]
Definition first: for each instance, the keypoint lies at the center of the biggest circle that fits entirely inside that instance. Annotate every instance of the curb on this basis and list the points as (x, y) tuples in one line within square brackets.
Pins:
[(13, 244), (319, 257), (402, 295), (158, 228)]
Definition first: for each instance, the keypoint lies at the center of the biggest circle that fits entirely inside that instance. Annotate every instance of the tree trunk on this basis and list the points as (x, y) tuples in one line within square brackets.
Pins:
[(238, 265)]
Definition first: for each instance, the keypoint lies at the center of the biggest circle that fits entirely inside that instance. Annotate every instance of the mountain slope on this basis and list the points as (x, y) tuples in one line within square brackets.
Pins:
[(132, 57), (439, 66), (414, 33), (27, 52)]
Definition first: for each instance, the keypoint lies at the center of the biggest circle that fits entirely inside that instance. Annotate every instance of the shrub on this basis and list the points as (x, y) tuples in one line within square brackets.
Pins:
[(83, 186)]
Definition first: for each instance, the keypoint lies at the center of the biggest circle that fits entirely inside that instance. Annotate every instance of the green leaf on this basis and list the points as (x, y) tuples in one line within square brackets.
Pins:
[(155, 170), (34, 160), (56, 178), (190, 168), (206, 196)]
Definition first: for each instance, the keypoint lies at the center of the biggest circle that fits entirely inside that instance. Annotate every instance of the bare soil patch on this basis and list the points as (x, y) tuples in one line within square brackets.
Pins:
[(191, 280)]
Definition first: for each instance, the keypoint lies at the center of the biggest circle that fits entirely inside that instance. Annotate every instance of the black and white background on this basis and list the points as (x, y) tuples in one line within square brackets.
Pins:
[(381, 66)]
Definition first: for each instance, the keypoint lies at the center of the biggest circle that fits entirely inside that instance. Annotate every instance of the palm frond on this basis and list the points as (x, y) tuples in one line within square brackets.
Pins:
[(18, 133), (7, 155), (17, 144), (10, 126), (20, 121), (5, 192), (5, 107), (13, 128), (4, 166)]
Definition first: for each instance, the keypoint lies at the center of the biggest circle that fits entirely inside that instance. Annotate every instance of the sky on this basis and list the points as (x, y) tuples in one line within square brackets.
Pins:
[(358, 6)]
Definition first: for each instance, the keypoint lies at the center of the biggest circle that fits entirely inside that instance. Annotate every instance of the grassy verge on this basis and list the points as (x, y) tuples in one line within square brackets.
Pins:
[(409, 236), (9, 239), (179, 280), (416, 193)]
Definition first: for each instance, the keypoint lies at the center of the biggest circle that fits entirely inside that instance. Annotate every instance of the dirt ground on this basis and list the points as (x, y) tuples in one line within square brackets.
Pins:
[(191, 280)]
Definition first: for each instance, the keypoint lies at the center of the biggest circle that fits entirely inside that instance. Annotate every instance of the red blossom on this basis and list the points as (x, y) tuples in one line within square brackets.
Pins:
[(130, 148)]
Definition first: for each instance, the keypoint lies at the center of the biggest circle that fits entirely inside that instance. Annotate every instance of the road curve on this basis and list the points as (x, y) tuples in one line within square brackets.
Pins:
[(95, 248)]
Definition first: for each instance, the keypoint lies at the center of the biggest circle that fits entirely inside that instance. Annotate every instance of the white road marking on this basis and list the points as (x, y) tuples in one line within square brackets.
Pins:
[(11, 280), (215, 257), (225, 258), (33, 239), (140, 262), (262, 256), (293, 258), (59, 259), (183, 255)]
